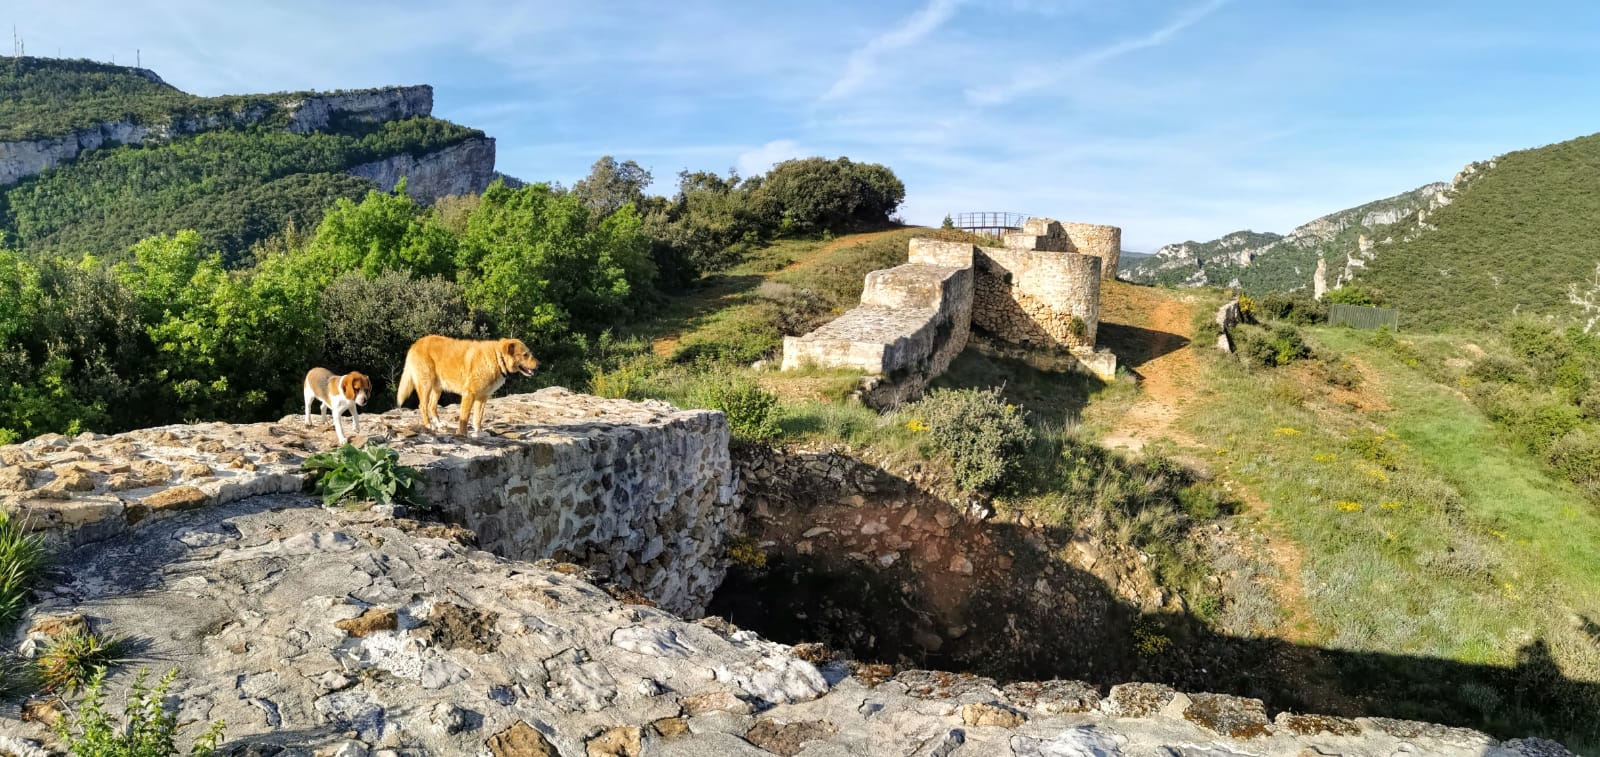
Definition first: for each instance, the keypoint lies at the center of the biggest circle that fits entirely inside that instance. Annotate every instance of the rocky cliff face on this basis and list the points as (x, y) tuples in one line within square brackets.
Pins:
[(368, 106), (1261, 262), (460, 169), (19, 160)]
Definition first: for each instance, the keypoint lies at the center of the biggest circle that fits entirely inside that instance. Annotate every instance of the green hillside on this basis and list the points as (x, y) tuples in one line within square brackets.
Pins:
[(234, 185), (1264, 262), (45, 97), (1521, 235)]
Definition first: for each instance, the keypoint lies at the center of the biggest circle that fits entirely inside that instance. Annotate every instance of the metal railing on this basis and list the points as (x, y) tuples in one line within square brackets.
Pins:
[(988, 221)]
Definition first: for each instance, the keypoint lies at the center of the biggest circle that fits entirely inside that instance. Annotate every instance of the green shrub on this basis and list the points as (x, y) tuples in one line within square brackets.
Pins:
[(752, 411), (151, 729), (1349, 295), (1576, 455), (1498, 369), (1590, 404), (1298, 309), (983, 437), (368, 473), (21, 556), (1262, 348)]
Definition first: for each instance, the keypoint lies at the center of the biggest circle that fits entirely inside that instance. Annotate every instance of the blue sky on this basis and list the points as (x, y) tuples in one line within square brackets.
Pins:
[(1174, 119)]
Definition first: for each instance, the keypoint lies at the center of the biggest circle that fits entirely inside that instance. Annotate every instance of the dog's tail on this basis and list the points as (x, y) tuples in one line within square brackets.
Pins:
[(407, 383)]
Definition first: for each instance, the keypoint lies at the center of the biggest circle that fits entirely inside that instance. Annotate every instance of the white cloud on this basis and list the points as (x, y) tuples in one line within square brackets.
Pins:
[(763, 158), (1040, 79), (863, 63)]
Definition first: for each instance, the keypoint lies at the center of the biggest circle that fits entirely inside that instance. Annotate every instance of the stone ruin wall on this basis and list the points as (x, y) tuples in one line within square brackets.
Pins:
[(1037, 298), (642, 493), (1103, 242), (912, 321), (915, 318)]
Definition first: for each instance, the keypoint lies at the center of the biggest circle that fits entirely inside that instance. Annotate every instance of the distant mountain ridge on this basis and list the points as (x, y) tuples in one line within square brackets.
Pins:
[(1259, 262)]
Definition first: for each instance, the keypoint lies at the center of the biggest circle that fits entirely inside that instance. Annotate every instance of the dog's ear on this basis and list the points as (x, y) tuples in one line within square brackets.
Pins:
[(347, 385), (506, 356)]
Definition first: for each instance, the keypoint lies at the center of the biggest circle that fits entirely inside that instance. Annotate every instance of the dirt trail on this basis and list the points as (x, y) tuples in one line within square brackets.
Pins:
[(1168, 380)]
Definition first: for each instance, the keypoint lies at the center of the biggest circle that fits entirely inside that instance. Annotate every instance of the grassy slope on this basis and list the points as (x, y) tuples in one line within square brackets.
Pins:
[(1423, 532), (1516, 236)]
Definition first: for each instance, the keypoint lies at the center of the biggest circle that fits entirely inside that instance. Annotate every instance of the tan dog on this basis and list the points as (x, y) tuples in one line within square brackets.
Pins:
[(338, 394), (472, 368)]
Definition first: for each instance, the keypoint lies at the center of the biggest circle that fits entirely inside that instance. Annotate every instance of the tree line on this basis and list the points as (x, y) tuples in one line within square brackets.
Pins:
[(173, 330)]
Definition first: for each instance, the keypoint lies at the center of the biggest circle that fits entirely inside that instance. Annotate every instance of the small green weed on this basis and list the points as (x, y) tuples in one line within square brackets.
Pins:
[(368, 473), (21, 556), (75, 657), (151, 729)]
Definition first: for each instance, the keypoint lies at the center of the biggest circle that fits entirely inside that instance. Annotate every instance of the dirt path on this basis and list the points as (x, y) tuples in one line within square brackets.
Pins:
[(1169, 379), (1159, 329)]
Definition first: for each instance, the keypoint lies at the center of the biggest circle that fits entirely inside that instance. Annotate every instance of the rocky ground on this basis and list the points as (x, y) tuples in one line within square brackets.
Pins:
[(312, 631)]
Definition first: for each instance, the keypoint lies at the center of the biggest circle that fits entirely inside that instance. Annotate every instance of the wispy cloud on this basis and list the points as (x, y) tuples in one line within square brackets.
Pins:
[(760, 159), (1044, 78), (863, 63)]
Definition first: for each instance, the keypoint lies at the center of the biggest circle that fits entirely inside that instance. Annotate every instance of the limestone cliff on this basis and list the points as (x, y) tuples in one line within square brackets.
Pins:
[(460, 169), (306, 112)]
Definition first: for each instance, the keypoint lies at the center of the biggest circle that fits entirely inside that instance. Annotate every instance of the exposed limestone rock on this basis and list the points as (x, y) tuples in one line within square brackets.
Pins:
[(460, 169), (248, 617), (370, 106), (1228, 316), (641, 492), (19, 160), (370, 622)]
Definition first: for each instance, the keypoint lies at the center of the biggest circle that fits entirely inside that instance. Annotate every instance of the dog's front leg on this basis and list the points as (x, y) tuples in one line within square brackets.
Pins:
[(338, 430)]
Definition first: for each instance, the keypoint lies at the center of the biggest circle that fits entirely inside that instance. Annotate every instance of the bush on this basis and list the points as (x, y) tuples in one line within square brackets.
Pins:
[(1576, 455), (983, 437), (368, 473), (752, 411), (151, 730), (1266, 349), (370, 323), (1349, 295), (1298, 309), (1498, 369)]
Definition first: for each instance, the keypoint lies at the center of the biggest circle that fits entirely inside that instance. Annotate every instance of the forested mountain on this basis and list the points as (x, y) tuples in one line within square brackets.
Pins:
[(94, 157), (1260, 262)]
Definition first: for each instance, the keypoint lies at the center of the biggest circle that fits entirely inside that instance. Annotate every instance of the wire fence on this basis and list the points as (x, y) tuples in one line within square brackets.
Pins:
[(988, 221), (1361, 317)]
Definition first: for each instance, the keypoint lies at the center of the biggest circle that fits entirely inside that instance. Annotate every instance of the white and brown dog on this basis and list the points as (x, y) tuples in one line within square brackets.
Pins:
[(337, 393)]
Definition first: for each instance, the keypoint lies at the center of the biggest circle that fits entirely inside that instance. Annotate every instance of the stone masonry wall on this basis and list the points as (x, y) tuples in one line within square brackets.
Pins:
[(1104, 242), (1037, 298), (642, 493), (913, 320)]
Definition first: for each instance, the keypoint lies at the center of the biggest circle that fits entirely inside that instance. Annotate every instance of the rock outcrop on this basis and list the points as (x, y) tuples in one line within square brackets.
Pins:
[(460, 169), (370, 106), (312, 631), (307, 112), (640, 492)]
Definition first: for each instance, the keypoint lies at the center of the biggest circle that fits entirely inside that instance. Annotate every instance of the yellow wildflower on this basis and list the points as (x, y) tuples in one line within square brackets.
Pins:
[(1349, 507), (1285, 431), (916, 426)]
